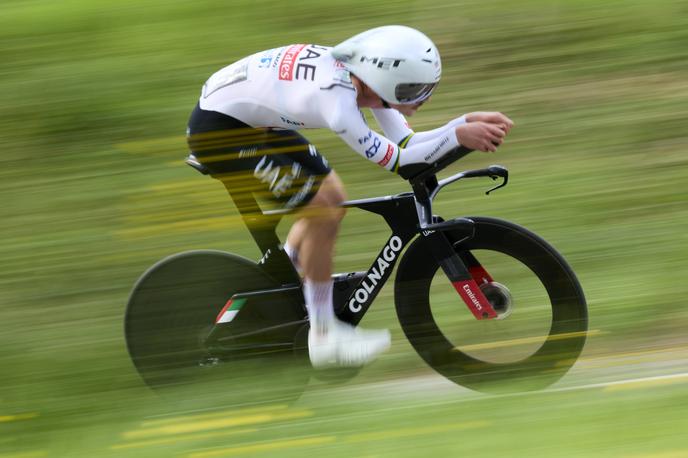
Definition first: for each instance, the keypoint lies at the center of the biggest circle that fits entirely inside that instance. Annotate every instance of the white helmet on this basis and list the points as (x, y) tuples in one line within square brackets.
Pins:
[(399, 63)]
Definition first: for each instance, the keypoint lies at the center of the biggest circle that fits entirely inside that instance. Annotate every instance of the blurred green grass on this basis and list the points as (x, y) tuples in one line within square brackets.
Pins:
[(93, 105)]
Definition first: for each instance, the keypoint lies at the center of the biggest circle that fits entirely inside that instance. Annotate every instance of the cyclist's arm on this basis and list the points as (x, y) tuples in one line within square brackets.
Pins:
[(395, 126), (353, 129), (393, 123), (415, 138)]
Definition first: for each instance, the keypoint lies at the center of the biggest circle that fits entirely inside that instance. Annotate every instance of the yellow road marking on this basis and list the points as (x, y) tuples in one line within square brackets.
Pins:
[(526, 340), (318, 440), (219, 423), (264, 447), (647, 382), (216, 414), (639, 355), (405, 432), (177, 439), (18, 417)]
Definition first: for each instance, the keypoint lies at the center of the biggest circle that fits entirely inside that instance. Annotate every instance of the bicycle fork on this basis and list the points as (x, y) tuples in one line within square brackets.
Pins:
[(463, 278)]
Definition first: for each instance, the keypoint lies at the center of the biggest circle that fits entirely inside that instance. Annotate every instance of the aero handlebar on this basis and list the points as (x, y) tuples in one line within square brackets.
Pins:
[(420, 171)]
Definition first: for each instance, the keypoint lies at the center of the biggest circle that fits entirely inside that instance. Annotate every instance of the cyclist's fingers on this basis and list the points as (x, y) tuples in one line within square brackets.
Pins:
[(508, 123), (493, 139), (489, 147), (505, 121), (496, 130), (497, 140)]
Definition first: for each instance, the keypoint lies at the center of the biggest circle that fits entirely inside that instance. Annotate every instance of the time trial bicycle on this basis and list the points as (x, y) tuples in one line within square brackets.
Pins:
[(481, 300)]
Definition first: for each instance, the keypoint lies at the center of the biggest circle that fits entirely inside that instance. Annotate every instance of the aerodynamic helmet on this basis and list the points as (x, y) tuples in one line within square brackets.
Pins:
[(402, 65)]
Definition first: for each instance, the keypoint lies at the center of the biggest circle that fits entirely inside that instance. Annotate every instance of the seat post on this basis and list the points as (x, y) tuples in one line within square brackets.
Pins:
[(263, 227)]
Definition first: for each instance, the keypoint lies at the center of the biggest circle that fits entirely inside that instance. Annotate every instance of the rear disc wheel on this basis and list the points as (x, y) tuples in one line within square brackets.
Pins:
[(173, 307)]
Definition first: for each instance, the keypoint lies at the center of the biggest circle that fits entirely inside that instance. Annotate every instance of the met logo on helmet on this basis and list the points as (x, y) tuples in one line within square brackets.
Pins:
[(383, 62)]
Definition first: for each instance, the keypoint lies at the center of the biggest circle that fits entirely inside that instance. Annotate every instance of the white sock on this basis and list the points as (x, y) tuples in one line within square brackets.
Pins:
[(318, 297), (293, 257)]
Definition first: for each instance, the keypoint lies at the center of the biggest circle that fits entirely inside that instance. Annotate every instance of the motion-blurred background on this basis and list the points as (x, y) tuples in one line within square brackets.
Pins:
[(94, 99)]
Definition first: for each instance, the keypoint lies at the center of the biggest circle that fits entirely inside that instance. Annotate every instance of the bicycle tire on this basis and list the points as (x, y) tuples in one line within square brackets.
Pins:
[(562, 343), (174, 305)]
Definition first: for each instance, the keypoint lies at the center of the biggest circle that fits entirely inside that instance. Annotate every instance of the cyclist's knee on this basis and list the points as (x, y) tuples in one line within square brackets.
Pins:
[(326, 204), (333, 190)]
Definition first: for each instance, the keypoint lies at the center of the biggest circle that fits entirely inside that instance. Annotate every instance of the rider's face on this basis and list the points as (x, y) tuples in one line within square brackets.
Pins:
[(367, 98)]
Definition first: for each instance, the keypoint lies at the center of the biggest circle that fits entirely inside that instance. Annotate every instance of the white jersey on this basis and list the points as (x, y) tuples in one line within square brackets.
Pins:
[(302, 86)]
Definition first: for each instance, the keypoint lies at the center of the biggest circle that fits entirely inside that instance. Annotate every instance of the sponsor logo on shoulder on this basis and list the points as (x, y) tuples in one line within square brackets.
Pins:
[(286, 66), (294, 64), (266, 58)]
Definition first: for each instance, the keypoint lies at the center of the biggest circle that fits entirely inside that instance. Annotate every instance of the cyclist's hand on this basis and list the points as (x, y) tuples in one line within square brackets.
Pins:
[(492, 117), (480, 135)]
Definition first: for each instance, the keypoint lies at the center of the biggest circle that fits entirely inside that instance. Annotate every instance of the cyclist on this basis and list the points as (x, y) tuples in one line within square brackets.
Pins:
[(244, 130)]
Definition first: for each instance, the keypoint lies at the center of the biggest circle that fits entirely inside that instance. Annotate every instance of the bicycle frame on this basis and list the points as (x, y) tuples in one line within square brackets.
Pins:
[(407, 214)]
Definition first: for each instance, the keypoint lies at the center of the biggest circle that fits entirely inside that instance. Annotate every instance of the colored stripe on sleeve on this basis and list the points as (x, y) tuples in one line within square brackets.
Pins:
[(404, 141), (402, 144)]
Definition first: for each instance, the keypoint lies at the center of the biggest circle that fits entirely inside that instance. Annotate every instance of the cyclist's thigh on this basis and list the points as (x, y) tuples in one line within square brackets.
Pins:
[(279, 165), (331, 192)]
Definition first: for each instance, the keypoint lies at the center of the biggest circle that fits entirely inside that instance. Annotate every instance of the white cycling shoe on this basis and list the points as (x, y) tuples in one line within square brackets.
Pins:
[(344, 345)]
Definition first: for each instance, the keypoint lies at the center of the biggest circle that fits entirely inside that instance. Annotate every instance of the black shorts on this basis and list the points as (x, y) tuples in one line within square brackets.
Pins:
[(277, 165)]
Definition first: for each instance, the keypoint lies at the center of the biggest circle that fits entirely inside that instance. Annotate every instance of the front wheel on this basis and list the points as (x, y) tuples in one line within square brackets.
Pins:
[(542, 314)]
